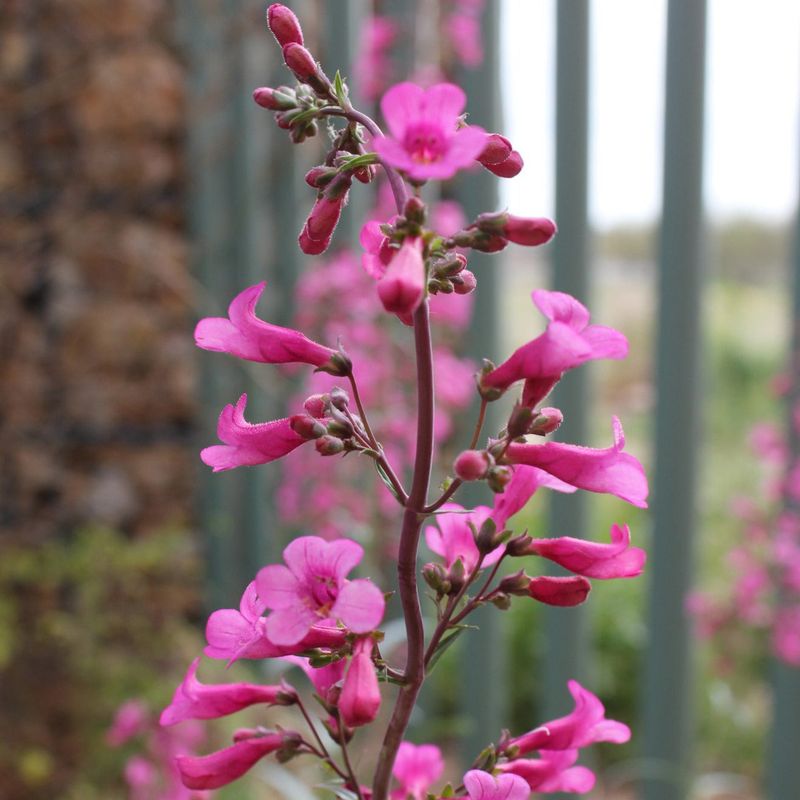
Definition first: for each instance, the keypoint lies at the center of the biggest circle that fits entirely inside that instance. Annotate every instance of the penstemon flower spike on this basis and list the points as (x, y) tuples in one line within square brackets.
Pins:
[(307, 610)]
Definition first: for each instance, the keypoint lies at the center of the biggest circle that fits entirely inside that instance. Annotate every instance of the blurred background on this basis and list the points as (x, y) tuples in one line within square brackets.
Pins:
[(141, 188)]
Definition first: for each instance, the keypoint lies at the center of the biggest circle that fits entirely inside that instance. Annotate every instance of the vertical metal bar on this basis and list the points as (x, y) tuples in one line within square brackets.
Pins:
[(565, 628), (783, 776), (484, 666), (668, 684)]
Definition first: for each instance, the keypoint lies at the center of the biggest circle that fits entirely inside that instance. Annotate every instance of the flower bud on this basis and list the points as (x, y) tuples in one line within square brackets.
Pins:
[(317, 405), (329, 445), (436, 577), (319, 177), (548, 421), (337, 732), (488, 393), (456, 576), (360, 699), (519, 422), (516, 584), (569, 591), (529, 231), (307, 427), (465, 282), (402, 287), (509, 168), (273, 99), (472, 465), (284, 25), (498, 477), (300, 61), (311, 247), (340, 427), (339, 398), (415, 210), (501, 600), (487, 538), (497, 150)]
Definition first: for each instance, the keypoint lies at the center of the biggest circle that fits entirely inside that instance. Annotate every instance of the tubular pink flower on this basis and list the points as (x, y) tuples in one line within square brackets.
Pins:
[(608, 471), (224, 766), (558, 591), (452, 538), (324, 217), (592, 559), (568, 342), (528, 231), (416, 768), (246, 445), (553, 772), (233, 634), (246, 336), (129, 721), (360, 699), (522, 486), (481, 785), (426, 141), (584, 726), (312, 588), (196, 700), (402, 286)]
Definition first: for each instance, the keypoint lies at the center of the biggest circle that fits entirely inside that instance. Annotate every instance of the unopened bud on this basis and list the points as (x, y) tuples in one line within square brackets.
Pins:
[(516, 584), (299, 133), (329, 445), (488, 393), (493, 223), (284, 25), (564, 592), (501, 601), (509, 168), (486, 539), (519, 422), (319, 177), (452, 266), (290, 747), (528, 231), (489, 243), (300, 61), (340, 427), (472, 465), (456, 575), (436, 577), (286, 697), (339, 398), (415, 210), (306, 426), (273, 99), (465, 282), (496, 150), (547, 421), (498, 477), (317, 405)]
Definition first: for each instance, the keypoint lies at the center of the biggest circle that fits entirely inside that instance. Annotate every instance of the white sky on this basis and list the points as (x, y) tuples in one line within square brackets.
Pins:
[(752, 99)]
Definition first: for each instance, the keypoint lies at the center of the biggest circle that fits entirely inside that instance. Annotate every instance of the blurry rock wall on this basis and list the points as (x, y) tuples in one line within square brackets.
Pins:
[(96, 358)]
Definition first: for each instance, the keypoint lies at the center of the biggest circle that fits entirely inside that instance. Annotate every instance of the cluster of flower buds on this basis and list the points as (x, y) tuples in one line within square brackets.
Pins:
[(490, 233), (329, 423), (480, 465)]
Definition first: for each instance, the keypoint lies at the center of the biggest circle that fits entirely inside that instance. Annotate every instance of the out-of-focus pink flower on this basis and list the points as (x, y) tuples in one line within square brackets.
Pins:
[(463, 30), (786, 635), (568, 342), (592, 559), (129, 721), (585, 725), (221, 768), (312, 588), (244, 335), (245, 444), (416, 769), (553, 772), (196, 700), (481, 785), (402, 286), (374, 64), (425, 140), (141, 776), (557, 591), (233, 634), (360, 699), (608, 471)]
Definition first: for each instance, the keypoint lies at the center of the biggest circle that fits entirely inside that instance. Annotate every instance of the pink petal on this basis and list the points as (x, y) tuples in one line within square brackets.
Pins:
[(288, 626), (225, 766), (278, 587), (562, 307), (360, 606), (444, 103), (401, 105), (522, 486)]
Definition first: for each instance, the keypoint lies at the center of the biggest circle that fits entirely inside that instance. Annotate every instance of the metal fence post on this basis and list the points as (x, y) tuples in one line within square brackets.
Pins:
[(565, 628), (668, 684)]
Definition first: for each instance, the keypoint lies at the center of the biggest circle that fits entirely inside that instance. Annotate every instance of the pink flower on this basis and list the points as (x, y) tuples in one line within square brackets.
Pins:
[(224, 766), (233, 634), (246, 336), (609, 471), (195, 700), (558, 591), (246, 444), (416, 768), (452, 537), (402, 286), (360, 699), (568, 342), (325, 678), (592, 559), (522, 486), (129, 721), (584, 726), (426, 141), (553, 772), (481, 785), (786, 635), (464, 34), (312, 588)]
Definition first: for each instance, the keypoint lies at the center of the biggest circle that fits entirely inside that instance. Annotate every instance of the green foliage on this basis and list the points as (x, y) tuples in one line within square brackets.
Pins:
[(86, 623)]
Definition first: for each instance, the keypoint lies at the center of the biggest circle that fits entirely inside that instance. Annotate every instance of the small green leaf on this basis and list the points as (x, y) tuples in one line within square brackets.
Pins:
[(447, 642), (340, 89)]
